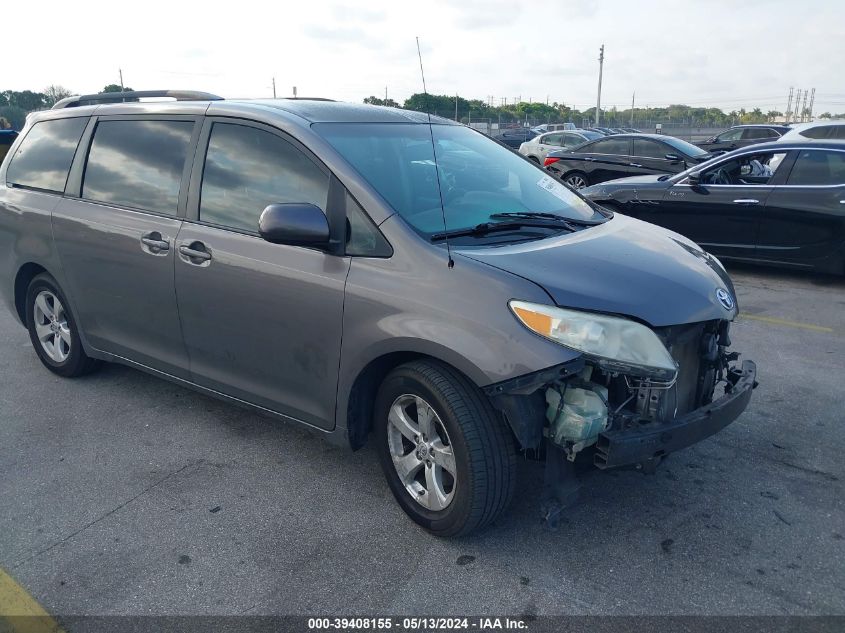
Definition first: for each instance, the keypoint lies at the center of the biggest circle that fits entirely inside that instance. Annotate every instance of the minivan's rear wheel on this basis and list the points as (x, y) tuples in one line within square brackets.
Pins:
[(52, 329), (576, 180), (448, 458)]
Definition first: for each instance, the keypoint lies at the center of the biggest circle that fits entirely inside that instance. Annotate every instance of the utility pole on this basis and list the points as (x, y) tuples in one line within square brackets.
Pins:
[(788, 106), (598, 98), (274, 87), (294, 92), (812, 99), (795, 113), (120, 72), (633, 96)]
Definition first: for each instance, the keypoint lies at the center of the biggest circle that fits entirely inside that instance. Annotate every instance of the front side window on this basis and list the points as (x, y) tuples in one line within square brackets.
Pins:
[(573, 140), (247, 169), (750, 169), (42, 160), (138, 163), (416, 168), (818, 167), (649, 149)]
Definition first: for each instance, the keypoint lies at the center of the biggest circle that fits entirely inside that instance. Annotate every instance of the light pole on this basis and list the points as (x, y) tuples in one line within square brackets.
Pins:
[(598, 98)]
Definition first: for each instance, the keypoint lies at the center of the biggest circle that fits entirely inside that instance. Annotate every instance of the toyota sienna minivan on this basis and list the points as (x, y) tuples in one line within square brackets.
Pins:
[(370, 273)]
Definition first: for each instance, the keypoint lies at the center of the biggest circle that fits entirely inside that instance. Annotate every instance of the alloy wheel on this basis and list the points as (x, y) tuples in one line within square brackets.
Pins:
[(51, 326), (421, 451), (576, 181)]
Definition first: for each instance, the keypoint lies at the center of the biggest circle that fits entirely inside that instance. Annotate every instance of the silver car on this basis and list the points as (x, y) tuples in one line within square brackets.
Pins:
[(539, 147), (371, 273)]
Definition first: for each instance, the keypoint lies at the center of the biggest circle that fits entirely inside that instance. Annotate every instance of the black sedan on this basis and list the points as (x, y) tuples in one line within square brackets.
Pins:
[(623, 155), (514, 137), (777, 203), (743, 136)]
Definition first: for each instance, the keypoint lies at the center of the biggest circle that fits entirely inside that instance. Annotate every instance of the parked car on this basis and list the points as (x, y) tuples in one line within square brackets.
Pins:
[(366, 272), (623, 155), (743, 136), (602, 131), (514, 137), (827, 130), (776, 203), (553, 127), (538, 147), (7, 137)]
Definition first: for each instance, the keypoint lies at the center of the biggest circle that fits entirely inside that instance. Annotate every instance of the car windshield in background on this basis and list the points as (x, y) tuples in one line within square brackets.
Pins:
[(477, 177), (687, 148)]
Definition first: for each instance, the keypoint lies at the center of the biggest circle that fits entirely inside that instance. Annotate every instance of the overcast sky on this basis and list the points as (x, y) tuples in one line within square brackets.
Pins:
[(720, 53)]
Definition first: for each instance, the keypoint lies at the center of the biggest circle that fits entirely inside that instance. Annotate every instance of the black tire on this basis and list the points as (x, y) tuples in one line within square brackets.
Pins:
[(576, 175), (483, 447), (77, 363)]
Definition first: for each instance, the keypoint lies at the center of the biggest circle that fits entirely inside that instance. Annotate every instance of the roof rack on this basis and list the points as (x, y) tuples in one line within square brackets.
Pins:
[(134, 95)]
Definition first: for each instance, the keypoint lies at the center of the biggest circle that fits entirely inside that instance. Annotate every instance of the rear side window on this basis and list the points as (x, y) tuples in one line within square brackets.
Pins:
[(44, 156), (618, 146), (824, 131), (138, 164), (754, 133), (818, 167), (247, 169)]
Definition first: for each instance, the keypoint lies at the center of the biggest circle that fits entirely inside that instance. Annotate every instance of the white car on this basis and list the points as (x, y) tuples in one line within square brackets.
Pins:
[(538, 147), (826, 130), (553, 127)]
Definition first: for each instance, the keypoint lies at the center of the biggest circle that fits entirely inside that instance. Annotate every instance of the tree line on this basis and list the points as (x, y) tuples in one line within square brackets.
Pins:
[(535, 113), (15, 105)]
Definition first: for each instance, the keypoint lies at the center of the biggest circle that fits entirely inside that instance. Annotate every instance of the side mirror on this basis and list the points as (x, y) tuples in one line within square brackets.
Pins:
[(294, 223), (673, 157), (694, 179)]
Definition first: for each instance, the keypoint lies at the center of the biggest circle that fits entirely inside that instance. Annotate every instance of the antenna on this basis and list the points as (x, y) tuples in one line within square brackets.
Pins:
[(421, 67), (451, 262)]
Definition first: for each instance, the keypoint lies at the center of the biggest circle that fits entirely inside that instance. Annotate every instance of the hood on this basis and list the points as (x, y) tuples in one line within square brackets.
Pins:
[(624, 266), (651, 179)]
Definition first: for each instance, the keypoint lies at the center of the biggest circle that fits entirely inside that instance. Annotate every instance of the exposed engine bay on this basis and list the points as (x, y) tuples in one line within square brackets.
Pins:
[(581, 407)]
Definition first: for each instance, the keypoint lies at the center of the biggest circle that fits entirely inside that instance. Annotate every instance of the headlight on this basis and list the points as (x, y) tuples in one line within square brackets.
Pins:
[(615, 344)]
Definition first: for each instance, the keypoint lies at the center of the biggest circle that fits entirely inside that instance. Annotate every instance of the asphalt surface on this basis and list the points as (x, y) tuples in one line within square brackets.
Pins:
[(124, 494)]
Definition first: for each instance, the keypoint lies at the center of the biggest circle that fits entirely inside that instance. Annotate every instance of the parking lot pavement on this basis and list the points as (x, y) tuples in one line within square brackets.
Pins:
[(124, 494)]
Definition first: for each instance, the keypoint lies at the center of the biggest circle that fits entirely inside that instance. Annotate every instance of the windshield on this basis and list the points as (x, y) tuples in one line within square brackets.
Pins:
[(477, 177), (687, 148)]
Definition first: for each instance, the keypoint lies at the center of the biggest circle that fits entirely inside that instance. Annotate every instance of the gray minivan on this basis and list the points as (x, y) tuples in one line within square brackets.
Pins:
[(367, 271)]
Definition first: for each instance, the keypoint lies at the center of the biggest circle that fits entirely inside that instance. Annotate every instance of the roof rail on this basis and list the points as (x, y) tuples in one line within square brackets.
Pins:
[(134, 95)]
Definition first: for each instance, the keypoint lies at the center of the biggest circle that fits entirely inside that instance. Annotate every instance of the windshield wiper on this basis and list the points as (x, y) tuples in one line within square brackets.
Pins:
[(494, 227), (546, 216)]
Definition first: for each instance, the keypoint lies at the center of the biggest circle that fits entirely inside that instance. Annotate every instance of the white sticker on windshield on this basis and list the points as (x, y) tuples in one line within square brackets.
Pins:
[(555, 188)]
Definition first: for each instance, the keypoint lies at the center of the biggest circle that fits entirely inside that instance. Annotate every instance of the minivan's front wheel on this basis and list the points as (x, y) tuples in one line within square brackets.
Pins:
[(52, 329), (448, 458)]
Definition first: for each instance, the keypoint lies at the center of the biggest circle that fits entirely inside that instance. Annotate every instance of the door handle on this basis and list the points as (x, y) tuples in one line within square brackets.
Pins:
[(155, 243), (746, 201), (634, 165), (590, 160), (195, 253)]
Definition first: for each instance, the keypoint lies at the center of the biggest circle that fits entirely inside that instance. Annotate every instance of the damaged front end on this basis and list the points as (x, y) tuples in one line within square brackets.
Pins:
[(631, 409)]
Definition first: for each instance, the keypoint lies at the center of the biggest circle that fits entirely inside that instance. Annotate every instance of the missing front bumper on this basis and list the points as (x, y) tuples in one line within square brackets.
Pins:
[(650, 442)]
